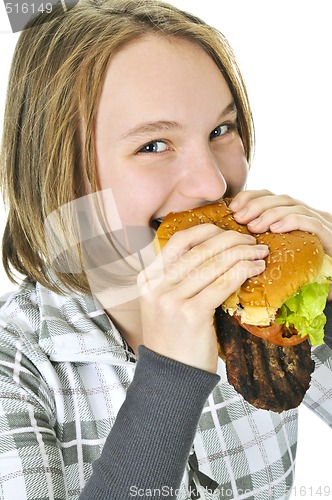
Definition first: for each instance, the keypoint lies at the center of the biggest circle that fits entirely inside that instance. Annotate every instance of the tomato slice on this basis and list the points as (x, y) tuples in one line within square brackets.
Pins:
[(274, 333)]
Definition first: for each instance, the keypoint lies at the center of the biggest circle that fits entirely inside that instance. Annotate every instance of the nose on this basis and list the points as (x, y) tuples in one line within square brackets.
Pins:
[(203, 180)]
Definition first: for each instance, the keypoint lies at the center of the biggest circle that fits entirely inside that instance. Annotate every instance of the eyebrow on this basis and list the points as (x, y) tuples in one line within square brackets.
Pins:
[(162, 125), (150, 128), (230, 108)]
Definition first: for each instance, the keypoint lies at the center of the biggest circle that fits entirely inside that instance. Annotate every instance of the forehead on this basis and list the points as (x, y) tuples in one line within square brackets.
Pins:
[(156, 73), (160, 58)]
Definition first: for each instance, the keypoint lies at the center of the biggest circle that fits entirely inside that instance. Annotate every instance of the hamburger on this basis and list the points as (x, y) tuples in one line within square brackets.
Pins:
[(266, 328)]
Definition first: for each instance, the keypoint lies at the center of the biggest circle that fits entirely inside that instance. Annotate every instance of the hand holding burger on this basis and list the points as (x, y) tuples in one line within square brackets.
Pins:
[(184, 284)]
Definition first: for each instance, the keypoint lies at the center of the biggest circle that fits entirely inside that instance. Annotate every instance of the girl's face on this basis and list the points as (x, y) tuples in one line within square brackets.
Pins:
[(166, 131)]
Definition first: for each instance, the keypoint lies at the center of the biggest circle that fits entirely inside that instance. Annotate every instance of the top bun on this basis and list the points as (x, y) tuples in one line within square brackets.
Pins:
[(294, 260)]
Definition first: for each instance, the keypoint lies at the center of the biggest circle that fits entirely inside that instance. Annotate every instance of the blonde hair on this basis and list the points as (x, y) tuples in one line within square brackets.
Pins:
[(54, 88)]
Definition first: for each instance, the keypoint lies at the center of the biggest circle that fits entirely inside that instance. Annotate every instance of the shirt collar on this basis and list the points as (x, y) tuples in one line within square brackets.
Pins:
[(74, 328)]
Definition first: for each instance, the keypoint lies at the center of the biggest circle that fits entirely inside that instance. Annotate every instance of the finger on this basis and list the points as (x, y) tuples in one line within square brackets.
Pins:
[(316, 225), (273, 218), (256, 207), (213, 296), (189, 281), (213, 247), (241, 200), (182, 241), (285, 219)]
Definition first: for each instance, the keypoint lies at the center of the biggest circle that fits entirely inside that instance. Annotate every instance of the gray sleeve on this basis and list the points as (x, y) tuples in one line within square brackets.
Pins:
[(150, 441)]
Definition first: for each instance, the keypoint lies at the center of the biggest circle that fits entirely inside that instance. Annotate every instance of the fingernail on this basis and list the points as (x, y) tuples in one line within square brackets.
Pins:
[(233, 205), (262, 247), (260, 263), (249, 237), (276, 225), (255, 222), (242, 212)]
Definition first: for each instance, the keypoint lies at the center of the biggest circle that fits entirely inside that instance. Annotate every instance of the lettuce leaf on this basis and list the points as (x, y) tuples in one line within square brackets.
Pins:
[(304, 311)]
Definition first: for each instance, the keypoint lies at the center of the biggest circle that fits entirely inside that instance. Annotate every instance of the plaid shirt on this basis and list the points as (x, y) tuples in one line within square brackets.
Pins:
[(64, 371)]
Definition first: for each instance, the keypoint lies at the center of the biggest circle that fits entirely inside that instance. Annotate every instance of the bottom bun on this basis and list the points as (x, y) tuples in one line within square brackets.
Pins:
[(268, 376)]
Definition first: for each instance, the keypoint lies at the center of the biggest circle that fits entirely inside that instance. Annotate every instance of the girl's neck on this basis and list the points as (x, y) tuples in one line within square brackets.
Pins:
[(127, 319)]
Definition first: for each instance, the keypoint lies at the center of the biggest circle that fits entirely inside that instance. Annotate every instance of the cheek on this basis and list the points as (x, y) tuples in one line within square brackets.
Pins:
[(137, 193)]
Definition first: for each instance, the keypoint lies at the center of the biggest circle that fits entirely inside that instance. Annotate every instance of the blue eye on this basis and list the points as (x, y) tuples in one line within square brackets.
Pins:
[(220, 130), (154, 147)]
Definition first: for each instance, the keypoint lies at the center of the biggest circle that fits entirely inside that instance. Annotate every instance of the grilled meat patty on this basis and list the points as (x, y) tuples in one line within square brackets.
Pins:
[(267, 376)]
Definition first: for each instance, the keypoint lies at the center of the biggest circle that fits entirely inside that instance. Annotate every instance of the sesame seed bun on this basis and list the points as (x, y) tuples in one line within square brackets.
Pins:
[(295, 259)]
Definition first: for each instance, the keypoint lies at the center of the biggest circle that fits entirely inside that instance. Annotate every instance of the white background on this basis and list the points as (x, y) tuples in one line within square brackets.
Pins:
[(284, 50)]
